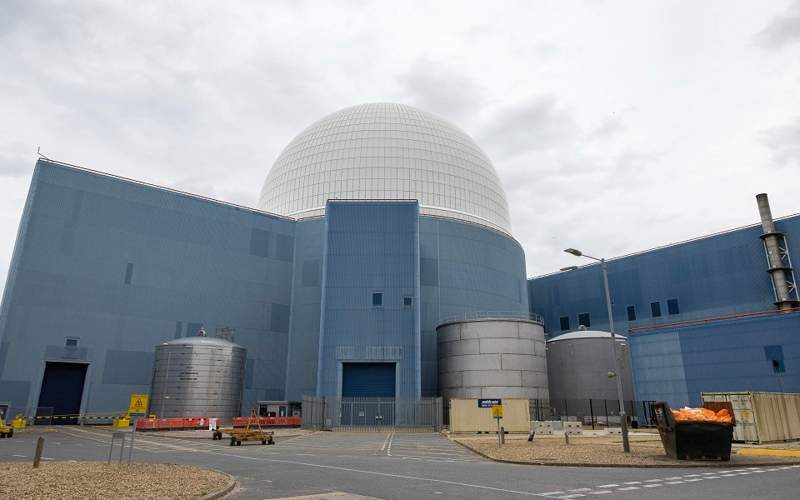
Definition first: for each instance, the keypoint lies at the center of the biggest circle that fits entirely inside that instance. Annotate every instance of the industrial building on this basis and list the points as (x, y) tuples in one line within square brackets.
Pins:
[(714, 314), (380, 263), (375, 223)]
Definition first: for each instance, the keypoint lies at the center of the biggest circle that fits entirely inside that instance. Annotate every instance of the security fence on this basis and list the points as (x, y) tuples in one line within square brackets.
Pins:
[(372, 414), (593, 412)]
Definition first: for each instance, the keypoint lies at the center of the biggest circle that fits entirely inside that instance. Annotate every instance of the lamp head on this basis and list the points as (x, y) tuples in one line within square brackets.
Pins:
[(569, 268), (576, 253)]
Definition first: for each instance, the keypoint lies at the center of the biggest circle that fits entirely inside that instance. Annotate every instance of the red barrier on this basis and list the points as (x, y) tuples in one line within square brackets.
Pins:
[(162, 424), (269, 421), (188, 423)]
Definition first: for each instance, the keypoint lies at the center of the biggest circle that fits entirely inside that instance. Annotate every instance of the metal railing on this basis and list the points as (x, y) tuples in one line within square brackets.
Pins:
[(478, 315), (372, 414), (594, 412)]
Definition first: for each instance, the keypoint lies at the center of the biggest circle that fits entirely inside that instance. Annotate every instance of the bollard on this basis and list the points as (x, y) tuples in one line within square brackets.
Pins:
[(39, 449), (566, 436), (502, 435)]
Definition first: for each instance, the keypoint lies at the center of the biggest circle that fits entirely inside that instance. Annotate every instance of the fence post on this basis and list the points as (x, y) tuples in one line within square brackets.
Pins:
[(39, 448), (591, 412)]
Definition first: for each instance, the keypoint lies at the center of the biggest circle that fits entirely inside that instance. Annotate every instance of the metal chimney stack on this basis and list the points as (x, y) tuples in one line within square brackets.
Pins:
[(779, 264)]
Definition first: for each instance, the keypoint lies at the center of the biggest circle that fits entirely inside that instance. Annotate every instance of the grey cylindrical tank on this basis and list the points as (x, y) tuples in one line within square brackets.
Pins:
[(578, 364), (492, 358), (198, 377)]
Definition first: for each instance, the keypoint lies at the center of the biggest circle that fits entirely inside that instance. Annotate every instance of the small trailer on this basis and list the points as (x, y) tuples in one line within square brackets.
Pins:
[(251, 432)]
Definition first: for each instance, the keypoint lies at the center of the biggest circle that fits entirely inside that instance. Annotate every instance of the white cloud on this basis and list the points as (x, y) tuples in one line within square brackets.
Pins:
[(615, 126)]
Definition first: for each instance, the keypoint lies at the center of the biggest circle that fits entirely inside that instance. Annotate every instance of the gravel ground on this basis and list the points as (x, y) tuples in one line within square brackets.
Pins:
[(645, 450), (96, 480)]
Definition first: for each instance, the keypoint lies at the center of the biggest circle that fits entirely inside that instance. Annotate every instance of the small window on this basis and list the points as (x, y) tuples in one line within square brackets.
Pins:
[(672, 306), (584, 320), (631, 313), (564, 323), (128, 273), (71, 342), (407, 301), (655, 309), (377, 298)]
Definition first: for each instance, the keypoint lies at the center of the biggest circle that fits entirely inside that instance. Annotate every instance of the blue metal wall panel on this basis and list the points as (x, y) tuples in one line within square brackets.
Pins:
[(718, 275), (192, 262), (677, 356), (370, 247), (678, 364), (301, 365), (464, 268)]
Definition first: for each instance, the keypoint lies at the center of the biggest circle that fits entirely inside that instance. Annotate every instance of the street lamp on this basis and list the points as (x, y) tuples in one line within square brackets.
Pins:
[(626, 446)]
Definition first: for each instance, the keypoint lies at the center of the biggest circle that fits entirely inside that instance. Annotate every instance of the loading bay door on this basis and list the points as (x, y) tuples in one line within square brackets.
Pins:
[(368, 394), (62, 391)]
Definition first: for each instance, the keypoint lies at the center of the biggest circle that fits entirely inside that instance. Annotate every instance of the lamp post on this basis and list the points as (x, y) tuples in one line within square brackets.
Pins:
[(626, 446)]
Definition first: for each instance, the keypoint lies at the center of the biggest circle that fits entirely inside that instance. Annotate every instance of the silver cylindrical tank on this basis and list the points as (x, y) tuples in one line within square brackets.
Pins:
[(198, 377), (578, 366), (492, 358)]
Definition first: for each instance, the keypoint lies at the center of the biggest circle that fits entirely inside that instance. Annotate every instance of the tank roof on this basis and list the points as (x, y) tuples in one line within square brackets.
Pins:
[(203, 341), (587, 334)]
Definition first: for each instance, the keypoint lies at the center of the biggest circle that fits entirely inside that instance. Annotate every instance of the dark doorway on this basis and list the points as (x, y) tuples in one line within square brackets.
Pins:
[(368, 380), (368, 391), (62, 391)]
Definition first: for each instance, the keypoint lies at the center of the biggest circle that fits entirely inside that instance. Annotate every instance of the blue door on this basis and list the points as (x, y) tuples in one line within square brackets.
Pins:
[(368, 380), (368, 391)]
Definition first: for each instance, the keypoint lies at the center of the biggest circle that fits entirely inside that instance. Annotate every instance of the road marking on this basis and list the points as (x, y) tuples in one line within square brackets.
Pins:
[(18, 456), (654, 485), (633, 482), (576, 495), (673, 478), (599, 492), (389, 447), (653, 480), (386, 442), (550, 493), (612, 485), (579, 490), (628, 488), (376, 473), (694, 480), (674, 482)]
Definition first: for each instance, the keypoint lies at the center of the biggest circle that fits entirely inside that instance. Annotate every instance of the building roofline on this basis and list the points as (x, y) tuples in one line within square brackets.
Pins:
[(163, 188), (669, 245)]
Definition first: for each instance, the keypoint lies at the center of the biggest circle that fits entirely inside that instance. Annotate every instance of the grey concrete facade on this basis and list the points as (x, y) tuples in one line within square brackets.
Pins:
[(492, 358)]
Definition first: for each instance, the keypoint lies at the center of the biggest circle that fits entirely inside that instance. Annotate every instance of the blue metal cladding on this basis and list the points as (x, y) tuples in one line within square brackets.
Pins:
[(123, 266), (710, 335), (713, 276), (464, 268), (368, 380), (677, 364), (303, 351), (370, 247)]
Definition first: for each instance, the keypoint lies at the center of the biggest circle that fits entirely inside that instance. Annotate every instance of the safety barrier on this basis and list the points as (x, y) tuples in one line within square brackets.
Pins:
[(269, 421)]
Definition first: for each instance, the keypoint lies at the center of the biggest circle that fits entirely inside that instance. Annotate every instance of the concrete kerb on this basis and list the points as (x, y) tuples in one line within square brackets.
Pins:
[(716, 465), (223, 491)]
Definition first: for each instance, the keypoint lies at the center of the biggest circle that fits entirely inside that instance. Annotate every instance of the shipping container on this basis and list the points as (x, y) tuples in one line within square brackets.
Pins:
[(762, 417)]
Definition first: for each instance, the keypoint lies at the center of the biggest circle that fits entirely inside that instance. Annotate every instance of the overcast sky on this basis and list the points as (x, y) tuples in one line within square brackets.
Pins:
[(614, 126)]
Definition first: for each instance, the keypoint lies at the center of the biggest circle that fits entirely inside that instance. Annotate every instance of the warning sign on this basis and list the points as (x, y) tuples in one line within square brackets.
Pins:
[(497, 411), (138, 405)]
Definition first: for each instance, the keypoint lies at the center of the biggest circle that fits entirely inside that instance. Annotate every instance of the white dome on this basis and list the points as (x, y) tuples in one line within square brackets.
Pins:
[(385, 151)]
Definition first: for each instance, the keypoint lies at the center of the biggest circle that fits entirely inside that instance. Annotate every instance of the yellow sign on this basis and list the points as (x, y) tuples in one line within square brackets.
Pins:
[(138, 404), (497, 411)]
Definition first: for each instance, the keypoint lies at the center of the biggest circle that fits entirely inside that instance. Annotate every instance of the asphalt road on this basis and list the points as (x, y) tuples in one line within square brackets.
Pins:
[(406, 465)]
